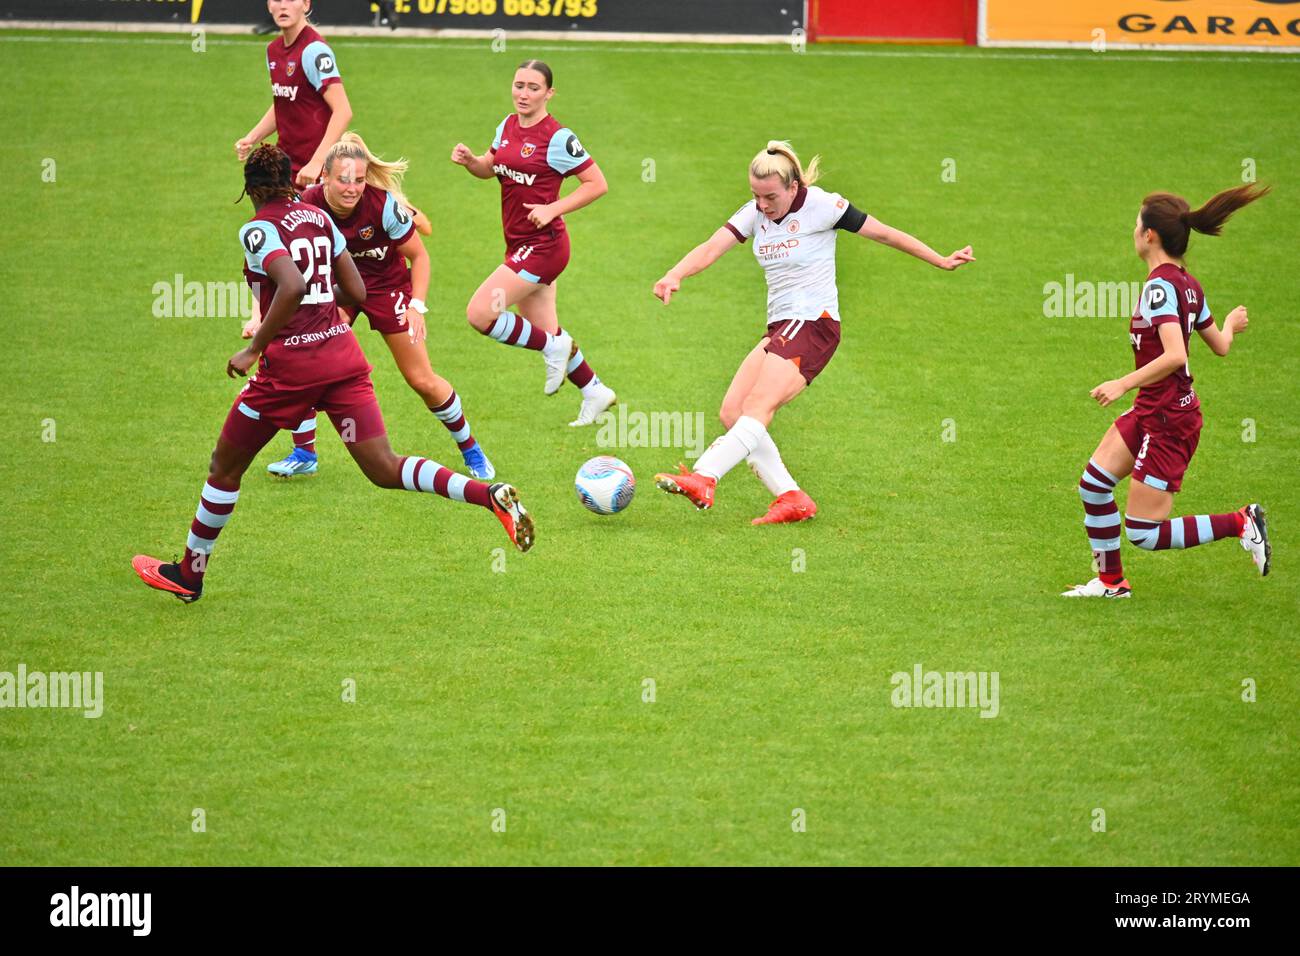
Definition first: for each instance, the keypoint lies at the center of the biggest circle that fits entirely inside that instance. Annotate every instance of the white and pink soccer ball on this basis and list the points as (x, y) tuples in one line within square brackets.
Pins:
[(605, 485)]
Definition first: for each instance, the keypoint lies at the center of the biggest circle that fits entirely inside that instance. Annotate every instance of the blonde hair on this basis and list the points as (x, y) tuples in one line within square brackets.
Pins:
[(779, 159), (380, 174)]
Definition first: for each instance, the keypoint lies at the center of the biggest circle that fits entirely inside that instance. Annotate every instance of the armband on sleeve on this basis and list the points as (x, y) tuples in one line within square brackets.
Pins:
[(852, 220)]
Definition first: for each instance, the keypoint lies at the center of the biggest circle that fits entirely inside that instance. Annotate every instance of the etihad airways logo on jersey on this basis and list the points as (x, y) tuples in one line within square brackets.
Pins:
[(287, 92), (779, 249), (524, 179)]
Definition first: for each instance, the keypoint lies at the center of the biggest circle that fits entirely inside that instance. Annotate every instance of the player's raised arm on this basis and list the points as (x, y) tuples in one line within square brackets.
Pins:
[(336, 98), (1171, 359), (591, 187), (873, 228), (264, 128), (1220, 340), (480, 166), (695, 261)]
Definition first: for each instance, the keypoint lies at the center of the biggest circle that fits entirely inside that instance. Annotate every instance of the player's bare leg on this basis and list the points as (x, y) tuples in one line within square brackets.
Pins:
[(777, 382), (184, 578), (487, 312), (377, 461), (439, 397), (1147, 523), (790, 503), (1111, 462)]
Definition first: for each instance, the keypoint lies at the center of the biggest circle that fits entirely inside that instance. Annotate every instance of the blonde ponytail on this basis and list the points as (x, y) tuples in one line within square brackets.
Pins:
[(779, 159), (380, 174)]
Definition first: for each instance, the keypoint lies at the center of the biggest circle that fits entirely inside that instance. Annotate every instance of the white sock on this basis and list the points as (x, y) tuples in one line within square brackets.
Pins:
[(765, 460), (732, 448)]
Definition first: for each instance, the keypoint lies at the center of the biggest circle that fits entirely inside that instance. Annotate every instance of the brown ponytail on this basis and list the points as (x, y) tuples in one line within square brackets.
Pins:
[(1174, 220)]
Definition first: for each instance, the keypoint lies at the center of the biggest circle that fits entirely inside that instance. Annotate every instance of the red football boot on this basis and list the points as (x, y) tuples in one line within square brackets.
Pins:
[(791, 506), (698, 488), (164, 577)]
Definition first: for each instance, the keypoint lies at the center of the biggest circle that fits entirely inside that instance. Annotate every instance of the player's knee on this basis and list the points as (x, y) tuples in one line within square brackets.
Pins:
[(225, 474), (479, 315), (383, 472), (1140, 533), (426, 386), (728, 414)]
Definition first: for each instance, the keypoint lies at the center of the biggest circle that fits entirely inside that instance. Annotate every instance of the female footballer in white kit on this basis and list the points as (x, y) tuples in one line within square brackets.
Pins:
[(793, 225)]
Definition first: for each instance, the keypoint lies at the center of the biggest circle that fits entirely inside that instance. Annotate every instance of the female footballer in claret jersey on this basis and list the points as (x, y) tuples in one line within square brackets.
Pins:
[(531, 154), (793, 224), (1155, 439), (307, 357), (363, 195), (309, 108)]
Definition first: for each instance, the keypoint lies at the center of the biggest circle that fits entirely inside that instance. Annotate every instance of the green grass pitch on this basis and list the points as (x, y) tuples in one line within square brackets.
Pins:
[(522, 691)]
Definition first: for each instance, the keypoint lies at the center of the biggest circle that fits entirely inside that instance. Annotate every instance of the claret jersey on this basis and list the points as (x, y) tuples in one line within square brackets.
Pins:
[(317, 344), (377, 226), (797, 253), (1170, 295), (299, 74), (530, 164)]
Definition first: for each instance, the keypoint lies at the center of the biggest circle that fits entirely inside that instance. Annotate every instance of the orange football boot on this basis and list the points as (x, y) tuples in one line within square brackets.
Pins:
[(791, 506), (150, 571), (698, 488)]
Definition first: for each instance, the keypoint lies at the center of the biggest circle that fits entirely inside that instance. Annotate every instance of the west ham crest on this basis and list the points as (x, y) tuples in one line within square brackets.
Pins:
[(290, 67), (365, 232), (527, 150)]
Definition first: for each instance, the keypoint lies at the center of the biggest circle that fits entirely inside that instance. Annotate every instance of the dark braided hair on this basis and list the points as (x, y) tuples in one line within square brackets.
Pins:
[(268, 175)]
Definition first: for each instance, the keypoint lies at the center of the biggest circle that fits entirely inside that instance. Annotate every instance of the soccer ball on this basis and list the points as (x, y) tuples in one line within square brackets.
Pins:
[(605, 485)]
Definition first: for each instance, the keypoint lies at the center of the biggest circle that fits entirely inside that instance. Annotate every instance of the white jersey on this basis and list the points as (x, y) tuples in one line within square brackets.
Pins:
[(797, 253)]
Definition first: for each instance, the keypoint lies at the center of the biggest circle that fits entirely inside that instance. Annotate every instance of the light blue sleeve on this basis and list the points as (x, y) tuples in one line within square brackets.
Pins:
[(496, 137), (565, 153), (1159, 300), (1205, 318), (340, 244), (319, 63), (260, 240), (397, 219)]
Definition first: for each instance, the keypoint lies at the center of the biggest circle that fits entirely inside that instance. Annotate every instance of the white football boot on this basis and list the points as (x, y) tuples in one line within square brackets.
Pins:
[(1254, 537), (595, 405), (557, 356), (1095, 588)]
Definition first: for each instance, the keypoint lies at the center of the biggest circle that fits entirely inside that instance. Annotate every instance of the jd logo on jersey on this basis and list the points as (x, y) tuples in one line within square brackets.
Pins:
[(527, 150), (254, 239), (365, 232), (403, 217), (1155, 297), (574, 147), (324, 64)]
